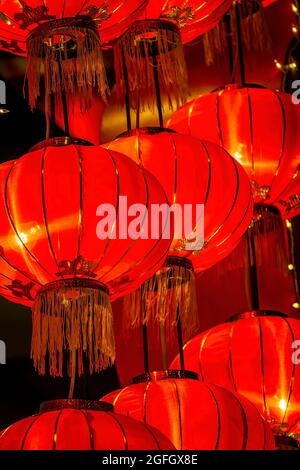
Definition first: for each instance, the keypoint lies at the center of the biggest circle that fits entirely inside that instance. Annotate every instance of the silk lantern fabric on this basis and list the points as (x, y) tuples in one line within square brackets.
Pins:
[(259, 127)]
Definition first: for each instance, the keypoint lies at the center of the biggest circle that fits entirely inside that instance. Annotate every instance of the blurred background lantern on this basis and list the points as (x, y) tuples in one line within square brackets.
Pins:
[(193, 415), (81, 425), (255, 355), (191, 172), (52, 258), (257, 126)]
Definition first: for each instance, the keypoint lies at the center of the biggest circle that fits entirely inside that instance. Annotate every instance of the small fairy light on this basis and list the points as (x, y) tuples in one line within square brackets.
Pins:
[(290, 267), (296, 305), (295, 9), (288, 224), (278, 64), (294, 29)]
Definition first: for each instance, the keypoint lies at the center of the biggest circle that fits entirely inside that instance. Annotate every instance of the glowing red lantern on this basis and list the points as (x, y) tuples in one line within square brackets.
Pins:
[(52, 257), (192, 172), (191, 414), (259, 127), (18, 19), (256, 356), (194, 17), (81, 425)]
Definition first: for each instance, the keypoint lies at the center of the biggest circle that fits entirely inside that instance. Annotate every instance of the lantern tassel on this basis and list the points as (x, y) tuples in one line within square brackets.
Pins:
[(158, 300), (77, 320), (68, 52), (135, 50)]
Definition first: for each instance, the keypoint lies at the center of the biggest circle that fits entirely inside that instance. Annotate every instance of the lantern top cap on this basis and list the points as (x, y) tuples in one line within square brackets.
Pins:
[(59, 25), (59, 142), (146, 131), (76, 404), (156, 376), (256, 314)]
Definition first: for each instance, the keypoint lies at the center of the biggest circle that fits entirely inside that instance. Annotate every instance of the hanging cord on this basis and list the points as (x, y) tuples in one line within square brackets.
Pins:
[(180, 339), (252, 270), (73, 375), (127, 93), (239, 39), (157, 89)]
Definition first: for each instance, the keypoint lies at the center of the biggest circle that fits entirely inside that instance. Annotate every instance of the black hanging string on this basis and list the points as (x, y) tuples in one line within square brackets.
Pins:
[(157, 89), (252, 269)]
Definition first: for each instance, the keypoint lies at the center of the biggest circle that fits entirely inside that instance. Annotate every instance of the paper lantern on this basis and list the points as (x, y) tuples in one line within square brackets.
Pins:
[(81, 425), (192, 172), (256, 356), (52, 257), (259, 127), (193, 415)]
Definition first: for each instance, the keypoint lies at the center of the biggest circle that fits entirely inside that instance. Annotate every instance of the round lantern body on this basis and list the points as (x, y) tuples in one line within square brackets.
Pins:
[(259, 127), (81, 425), (18, 19), (256, 356), (194, 172), (194, 17), (193, 415), (61, 255)]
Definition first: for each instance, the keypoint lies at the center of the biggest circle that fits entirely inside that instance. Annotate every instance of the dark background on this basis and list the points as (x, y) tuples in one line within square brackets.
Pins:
[(21, 389)]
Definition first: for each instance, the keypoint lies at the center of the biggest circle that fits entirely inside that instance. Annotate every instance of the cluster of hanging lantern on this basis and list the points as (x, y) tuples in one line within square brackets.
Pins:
[(218, 151)]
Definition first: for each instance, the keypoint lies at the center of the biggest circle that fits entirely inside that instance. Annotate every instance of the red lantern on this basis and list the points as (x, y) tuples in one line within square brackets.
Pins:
[(51, 256), (260, 128), (81, 425), (255, 356), (194, 17), (192, 172), (193, 415), (18, 19)]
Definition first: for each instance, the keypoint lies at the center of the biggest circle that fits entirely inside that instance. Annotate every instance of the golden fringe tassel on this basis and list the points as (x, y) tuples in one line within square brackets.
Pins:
[(169, 291), (81, 325), (133, 56), (255, 34), (269, 239), (214, 43), (254, 28), (75, 71)]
